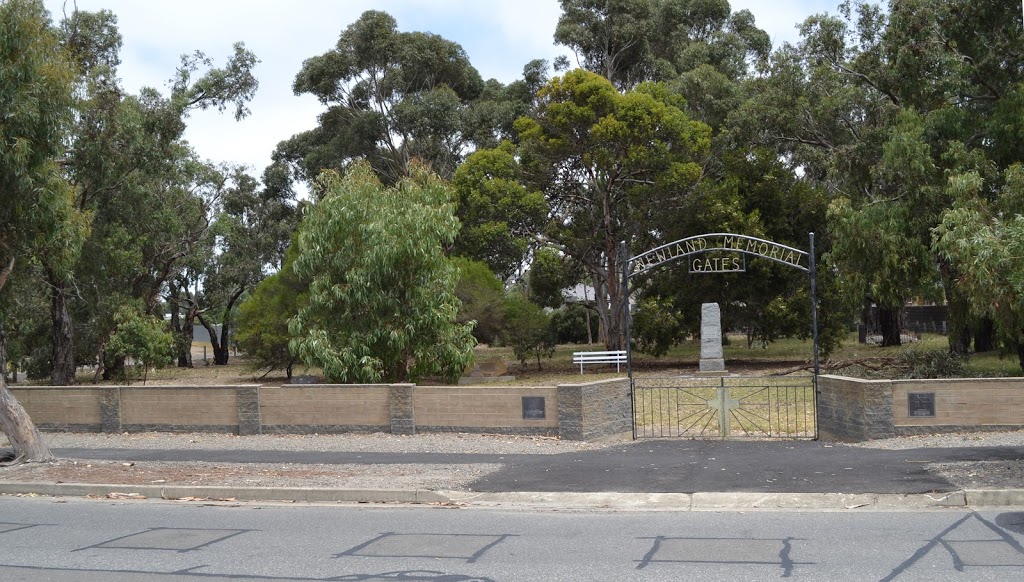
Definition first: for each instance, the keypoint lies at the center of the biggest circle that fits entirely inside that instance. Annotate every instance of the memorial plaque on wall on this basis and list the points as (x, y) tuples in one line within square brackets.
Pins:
[(921, 404), (533, 408)]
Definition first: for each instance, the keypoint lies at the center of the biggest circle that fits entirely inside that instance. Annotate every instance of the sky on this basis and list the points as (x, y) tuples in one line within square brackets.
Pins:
[(500, 36)]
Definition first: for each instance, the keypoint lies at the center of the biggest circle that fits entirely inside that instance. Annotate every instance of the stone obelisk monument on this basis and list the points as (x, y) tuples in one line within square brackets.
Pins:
[(712, 361)]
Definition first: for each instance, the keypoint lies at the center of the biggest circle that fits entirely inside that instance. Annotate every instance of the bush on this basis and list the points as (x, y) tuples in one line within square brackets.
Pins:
[(262, 332), (569, 324), (527, 330), (482, 295), (926, 364), (657, 326), (142, 338)]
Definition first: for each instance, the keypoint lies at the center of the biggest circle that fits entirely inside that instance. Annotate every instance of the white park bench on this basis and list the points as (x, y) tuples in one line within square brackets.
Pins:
[(617, 357)]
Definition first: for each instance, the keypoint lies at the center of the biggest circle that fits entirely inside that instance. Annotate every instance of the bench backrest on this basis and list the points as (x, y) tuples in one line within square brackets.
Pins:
[(612, 356)]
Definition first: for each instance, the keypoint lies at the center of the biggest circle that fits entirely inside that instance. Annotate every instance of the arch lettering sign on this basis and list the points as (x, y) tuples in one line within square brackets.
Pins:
[(725, 247), (719, 252)]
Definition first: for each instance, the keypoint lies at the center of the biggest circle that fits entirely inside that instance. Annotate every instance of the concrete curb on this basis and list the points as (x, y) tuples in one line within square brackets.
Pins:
[(306, 494), (994, 497), (703, 501)]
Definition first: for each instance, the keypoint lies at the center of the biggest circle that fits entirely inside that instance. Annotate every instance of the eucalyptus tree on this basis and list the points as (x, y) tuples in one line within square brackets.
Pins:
[(500, 216), (611, 38), (983, 238), (251, 227), (828, 107), (959, 66), (150, 196), (391, 97), (705, 53), (263, 316), (632, 41), (381, 304), (607, 163), (37, 214)]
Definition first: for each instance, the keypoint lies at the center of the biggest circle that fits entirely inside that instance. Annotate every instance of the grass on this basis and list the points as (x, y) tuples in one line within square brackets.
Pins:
[(993, 364), (559, 369)]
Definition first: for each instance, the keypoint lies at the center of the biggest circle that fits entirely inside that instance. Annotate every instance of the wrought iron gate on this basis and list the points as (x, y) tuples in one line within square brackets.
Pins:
[(725, 407)]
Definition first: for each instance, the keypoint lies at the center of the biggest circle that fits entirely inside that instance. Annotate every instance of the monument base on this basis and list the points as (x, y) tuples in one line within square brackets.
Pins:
[(712, 365), (711, 374)]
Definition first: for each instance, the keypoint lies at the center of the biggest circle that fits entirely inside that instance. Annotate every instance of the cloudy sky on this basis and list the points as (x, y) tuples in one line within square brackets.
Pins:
[(500, 36)]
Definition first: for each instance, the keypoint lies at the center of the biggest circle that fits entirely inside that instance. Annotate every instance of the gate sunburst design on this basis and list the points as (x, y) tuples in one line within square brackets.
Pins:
[(725, 407)]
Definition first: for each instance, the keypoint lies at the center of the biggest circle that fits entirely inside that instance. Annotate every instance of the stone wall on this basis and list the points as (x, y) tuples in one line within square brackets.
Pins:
[(853, 409), (69, 408), (324, 408), (960, 404), (593, 410), (496, 409)]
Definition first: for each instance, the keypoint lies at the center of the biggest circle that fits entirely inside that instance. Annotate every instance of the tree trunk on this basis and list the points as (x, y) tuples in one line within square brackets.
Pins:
[(20, 430), (889, 322), (220, 353), (188, 332), (3, 354), (222, 345), (62, 348), (184, 329), (14, 421), (590, 333), (1020, 355), (221, 348), (957, 312), (985, 338), (174, 300)]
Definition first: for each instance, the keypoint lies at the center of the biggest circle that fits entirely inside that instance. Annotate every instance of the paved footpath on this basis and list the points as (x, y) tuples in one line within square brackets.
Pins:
[(657, 472)]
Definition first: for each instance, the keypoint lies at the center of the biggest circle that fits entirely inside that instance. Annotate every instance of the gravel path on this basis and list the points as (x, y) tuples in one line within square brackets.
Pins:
[(950, 440), (977, 475), (349, 442), (449, 443)]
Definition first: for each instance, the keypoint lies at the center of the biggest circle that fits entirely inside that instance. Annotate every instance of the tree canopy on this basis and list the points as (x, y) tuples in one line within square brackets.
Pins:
[(37, 214)]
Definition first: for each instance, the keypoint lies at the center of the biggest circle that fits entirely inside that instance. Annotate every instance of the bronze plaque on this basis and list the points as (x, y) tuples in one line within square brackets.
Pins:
[(921, 404), (533, 408)]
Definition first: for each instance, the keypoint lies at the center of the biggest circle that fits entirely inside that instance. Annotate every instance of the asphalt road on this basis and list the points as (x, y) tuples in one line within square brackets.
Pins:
[(92, 541)]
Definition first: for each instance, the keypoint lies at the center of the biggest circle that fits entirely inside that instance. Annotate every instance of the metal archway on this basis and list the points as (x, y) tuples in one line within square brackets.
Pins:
[(727, 246)]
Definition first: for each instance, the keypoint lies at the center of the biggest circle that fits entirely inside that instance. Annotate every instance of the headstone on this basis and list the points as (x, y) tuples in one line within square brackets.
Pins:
[(711, 357)]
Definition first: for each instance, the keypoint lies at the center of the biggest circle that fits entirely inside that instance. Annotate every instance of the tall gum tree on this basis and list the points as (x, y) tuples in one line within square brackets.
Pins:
[(828, 107), (606, 162), (391, 97), (151, 198), (36, 209)]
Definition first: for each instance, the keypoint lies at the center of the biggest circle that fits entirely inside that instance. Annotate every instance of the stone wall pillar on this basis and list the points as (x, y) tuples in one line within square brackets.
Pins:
[(594, 409), (110, 410), (249, 411), (403, 418), (853, 409)]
